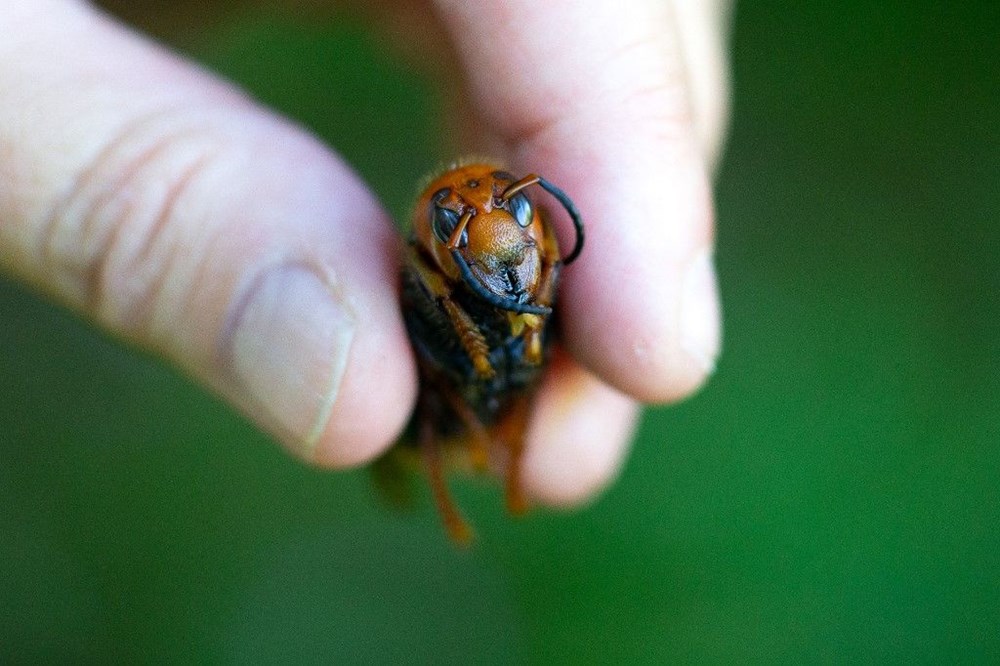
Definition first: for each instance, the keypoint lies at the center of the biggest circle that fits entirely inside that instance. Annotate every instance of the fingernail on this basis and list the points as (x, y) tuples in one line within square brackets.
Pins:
[(289, 350), (700, 312)]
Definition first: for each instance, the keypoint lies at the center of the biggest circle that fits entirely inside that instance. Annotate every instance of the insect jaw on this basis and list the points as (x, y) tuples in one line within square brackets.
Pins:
[(517, 304), (493, 299)]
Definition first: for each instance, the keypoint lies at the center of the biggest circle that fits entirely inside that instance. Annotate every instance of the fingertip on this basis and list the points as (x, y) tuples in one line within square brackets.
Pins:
[(379, 391), (641, 307), (660, 343), (657, 376), (366, 412), (317, 354), (577, 438)]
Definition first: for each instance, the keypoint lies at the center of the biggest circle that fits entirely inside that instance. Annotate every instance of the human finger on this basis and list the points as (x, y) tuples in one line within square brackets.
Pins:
[(577, 436), (596, 99), (178, 215)]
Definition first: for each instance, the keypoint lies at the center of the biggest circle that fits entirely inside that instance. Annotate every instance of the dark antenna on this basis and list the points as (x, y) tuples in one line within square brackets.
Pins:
[(567, 203)]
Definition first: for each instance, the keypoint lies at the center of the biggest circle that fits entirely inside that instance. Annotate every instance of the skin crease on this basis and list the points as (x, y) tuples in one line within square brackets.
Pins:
[(628, 122)]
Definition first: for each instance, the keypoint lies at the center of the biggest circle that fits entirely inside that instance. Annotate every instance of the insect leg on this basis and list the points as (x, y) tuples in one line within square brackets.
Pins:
[(469, 335), (551, 264), (511, 430), (480, 439), (454, 524)]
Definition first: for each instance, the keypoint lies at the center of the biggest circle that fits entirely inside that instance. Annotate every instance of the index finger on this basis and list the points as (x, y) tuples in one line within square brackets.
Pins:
[(595, 99)]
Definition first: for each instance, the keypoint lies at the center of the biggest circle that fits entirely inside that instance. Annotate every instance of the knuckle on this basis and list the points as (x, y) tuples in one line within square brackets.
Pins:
[(647, 84), (114, 240)]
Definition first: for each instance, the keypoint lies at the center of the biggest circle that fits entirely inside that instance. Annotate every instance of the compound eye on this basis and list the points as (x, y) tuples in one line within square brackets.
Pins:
[(520, 208), (444, 224)]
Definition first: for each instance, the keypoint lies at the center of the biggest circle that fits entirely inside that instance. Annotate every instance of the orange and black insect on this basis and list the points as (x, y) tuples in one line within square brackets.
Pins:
[(479, 285)]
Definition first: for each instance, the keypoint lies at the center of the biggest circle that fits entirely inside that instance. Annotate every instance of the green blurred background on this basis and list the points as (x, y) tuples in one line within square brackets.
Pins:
[(832, 495)]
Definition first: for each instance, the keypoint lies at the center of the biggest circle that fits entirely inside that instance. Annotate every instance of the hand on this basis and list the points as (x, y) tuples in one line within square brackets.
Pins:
[(180, 216)]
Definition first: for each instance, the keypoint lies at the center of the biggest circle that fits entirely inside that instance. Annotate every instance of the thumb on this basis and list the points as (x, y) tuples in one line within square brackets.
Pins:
[(177, 215)]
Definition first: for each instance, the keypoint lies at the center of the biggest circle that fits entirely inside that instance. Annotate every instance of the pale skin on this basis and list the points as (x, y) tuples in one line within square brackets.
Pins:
[(125, 194)]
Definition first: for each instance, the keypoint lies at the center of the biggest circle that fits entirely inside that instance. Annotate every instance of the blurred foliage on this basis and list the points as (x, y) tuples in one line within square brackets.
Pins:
[(832, 495)]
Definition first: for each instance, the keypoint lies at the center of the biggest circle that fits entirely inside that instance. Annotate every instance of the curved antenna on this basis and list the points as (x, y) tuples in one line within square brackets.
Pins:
[(574, 215), (490, 297), (566, 202)]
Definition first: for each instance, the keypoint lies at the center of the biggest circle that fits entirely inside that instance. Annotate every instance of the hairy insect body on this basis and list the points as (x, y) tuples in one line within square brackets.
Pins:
[(446, 353), (477, 294)]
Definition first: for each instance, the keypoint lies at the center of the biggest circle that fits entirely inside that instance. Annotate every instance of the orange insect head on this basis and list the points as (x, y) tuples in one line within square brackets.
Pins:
[(481, 228)]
